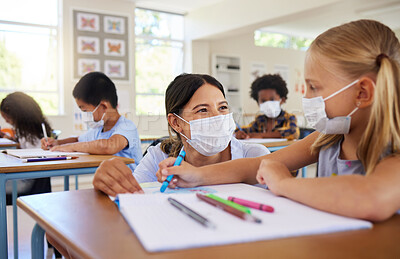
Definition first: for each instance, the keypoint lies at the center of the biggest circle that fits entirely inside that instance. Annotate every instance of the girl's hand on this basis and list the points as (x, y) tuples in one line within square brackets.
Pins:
[(113, 177), (48, 143), (241, 135), (185, 175), (273, 174)]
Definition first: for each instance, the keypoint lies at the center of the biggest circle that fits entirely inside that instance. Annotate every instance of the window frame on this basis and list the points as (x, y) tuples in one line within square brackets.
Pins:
[(150, 38), (59, 56)]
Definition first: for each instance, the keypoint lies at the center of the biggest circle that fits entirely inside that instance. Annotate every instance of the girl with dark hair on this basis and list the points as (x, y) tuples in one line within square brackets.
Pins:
[(199, 121), (24, 114)]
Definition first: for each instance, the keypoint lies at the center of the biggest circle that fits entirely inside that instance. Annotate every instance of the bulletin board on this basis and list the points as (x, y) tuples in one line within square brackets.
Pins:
[(100, 43)]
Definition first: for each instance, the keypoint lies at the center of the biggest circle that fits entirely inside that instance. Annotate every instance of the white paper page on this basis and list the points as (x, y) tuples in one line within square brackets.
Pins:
[(37, 152), (6, 141), (262, 140), (161, 227)]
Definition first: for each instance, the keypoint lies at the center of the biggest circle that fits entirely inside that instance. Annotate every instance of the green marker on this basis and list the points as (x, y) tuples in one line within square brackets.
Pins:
[(230, 203)]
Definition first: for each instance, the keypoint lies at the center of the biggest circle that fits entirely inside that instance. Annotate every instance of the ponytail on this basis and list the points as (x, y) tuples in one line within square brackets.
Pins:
[(382, 134)]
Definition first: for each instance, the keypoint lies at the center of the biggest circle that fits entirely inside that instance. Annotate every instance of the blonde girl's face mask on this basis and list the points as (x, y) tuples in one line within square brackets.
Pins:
[(211, 135), (314, 111)]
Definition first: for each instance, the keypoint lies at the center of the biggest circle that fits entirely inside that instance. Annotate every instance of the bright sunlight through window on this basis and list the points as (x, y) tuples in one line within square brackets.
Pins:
[(279, 40), (29, 51), (159, 57)]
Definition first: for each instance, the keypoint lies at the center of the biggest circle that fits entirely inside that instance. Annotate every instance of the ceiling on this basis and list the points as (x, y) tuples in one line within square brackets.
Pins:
[(175, 6), (314, 22), (309, 23)]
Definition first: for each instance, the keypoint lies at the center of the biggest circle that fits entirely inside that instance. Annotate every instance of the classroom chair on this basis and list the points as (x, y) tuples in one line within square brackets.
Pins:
[(155, 143)]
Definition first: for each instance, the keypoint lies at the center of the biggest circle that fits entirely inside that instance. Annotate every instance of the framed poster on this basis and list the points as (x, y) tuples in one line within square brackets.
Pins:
[(100, 43)]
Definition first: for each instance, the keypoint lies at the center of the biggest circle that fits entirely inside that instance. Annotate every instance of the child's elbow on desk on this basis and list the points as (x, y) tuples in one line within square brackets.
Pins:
[(376, 208)]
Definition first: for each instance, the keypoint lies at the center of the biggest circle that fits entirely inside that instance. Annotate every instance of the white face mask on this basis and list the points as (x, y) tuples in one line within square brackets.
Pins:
[(271, 109), (314, 111), (209, 136), (87, 117)]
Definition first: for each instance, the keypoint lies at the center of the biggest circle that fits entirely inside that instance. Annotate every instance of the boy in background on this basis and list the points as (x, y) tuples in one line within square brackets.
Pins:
[(110, 133), (270, 92)]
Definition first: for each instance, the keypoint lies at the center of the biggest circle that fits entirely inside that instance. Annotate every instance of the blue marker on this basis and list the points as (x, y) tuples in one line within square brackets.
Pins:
[(238, 126), (178, 161)]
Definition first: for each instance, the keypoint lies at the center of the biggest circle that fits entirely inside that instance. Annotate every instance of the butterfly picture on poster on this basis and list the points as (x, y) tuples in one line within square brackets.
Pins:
[(114, 68), (86, 65), (114, 25), (88, 45), (113, 47), (101, 43), (88, 22)]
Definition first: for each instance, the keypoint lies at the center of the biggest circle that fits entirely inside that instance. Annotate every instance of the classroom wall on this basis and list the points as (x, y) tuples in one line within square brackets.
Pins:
[(243, 47), (147, 125)]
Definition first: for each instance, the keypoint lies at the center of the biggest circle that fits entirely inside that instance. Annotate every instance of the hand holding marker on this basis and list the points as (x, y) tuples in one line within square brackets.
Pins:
[(178, 162)]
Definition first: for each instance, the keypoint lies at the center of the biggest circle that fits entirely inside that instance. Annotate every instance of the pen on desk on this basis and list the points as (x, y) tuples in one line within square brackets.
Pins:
[(178, 162), (45, 132), (230, 203), (227, 208), (48, 159), (251, 204), (189, 212)]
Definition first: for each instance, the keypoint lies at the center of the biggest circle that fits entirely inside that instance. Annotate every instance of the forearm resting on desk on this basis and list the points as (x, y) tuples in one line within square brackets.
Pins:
[(293, 157), (96, 147), (374, 197)]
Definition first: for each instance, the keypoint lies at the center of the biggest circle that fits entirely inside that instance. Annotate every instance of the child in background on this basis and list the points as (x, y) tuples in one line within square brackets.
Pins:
[(110, 133), (198, 100), (352, 74), (23, 113), (270, 92)]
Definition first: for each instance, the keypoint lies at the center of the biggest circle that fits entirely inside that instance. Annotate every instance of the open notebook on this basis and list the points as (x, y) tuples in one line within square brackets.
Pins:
[(39, 153), (6, 141), (161, 227)]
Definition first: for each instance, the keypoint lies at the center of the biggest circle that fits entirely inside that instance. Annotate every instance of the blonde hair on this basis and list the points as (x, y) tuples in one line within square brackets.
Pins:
[(358, 48)]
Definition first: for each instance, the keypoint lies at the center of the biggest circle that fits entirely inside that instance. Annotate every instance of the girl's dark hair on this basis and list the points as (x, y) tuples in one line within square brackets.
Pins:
[(95, 87), (177, 95), (26, 116), (274, 82)]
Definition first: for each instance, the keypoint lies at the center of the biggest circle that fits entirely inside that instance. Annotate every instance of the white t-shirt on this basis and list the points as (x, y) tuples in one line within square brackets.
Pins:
[(148, 166)]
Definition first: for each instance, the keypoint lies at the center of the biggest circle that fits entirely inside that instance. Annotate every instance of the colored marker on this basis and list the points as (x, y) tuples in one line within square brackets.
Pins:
[(178, 162), (48, 159), (230, 203), (227, 208), (189, 212), (238, 126), (251, 204)]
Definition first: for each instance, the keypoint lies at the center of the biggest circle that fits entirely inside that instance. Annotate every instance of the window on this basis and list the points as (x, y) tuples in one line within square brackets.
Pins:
[(159, 57), (29, 53), (279, 40)]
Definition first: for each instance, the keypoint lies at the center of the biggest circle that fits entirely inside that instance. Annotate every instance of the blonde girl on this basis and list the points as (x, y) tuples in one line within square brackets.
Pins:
[(352, 74)]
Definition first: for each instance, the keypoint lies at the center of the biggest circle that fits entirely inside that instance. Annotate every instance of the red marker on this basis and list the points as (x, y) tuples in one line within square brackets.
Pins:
[(251, 204)]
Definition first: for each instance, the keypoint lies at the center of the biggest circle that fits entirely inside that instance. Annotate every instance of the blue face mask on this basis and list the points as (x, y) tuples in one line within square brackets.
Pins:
[(314, 111)]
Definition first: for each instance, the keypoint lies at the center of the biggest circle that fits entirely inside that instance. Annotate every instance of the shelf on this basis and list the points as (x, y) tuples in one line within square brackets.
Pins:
[(233, 71)]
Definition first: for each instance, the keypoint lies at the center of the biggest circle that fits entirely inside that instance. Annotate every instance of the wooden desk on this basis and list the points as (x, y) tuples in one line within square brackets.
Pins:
[(8, 145), (90, 225), (13, 169)]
